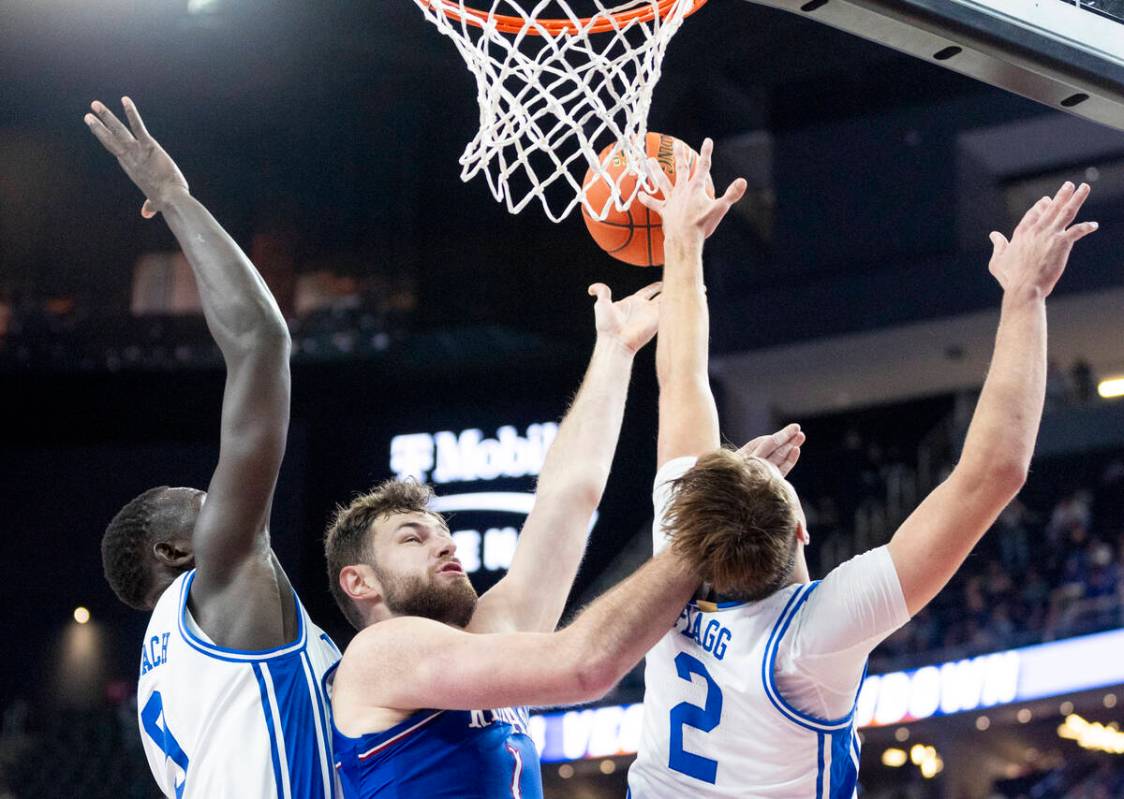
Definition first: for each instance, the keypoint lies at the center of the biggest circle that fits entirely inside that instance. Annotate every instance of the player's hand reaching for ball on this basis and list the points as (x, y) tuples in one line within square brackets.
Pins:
[(143, 160), (1039, 249), (690, 213), (632, 321), (782, 448)]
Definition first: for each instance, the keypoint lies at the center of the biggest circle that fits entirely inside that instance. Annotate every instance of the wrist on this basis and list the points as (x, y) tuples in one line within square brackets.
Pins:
[(613, 345), (1023, 295), (683, 245), (169, 196)]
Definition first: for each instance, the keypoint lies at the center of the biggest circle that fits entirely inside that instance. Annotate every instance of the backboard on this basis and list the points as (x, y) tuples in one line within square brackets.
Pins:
[(1067, 54)]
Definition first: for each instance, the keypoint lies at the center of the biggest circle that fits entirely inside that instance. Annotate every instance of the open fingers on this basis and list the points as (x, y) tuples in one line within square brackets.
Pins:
[(135, 121), (682, 164), (1078, 232), (735, 191), (600, 291), (1069, 210), (706, 155), (650, 291), (107, 139), (112, 123), (659, 177), (1032, 216), (1050, 215), (790, 459), (650, 202)]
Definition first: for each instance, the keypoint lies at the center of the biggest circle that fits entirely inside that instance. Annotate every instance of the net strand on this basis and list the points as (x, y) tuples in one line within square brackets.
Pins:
[(557, 91)]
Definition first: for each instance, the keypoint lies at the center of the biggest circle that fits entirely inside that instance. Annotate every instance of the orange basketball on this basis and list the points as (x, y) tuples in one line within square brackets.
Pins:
[(634, 235)]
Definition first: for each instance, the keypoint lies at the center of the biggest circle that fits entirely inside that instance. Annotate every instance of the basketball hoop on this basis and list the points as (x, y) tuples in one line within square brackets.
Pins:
[(552, 95)]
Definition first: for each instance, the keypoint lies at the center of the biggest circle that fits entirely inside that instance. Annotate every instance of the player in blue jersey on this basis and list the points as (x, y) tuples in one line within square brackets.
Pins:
[(229, 691), (429, 699), (752, 692)]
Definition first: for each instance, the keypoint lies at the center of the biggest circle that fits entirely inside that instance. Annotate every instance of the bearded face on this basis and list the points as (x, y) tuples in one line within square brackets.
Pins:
[(442, 597)]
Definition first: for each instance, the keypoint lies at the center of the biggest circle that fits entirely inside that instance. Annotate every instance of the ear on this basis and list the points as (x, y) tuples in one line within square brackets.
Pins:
[(802, 534), (360, 583), (177, 554)]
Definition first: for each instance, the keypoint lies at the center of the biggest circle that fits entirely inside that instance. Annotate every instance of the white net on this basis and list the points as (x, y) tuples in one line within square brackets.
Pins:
[(554, 92)]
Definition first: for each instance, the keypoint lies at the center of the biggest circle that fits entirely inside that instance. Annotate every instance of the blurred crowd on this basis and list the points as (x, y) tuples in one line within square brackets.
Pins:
[(1040, 574)]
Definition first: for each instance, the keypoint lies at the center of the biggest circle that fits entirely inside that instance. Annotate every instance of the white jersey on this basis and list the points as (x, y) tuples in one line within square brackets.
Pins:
[(219, 722), (757, 699)]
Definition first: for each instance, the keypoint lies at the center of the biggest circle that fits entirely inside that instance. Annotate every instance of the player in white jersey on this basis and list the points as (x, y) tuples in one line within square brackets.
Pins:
[(229, 694), (753, 694)]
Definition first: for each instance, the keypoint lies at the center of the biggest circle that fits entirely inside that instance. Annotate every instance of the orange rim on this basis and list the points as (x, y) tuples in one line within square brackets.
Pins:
[(597, 24)]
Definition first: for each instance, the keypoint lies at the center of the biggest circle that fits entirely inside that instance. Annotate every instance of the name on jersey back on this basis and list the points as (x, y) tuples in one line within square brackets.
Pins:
[(710, 634)]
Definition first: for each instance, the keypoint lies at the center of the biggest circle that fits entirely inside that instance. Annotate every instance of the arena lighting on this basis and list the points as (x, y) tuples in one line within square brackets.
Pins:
[(1093, 735), (1111, 388), (1024, 715), (608, 767), (901, 734), (1019, 675), (1065, 708), (81, 615), (894, 757), (565, 771), (203, 6), (1110, 700)]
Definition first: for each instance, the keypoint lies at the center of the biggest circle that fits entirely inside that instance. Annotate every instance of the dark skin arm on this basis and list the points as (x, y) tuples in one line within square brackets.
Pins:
[(240, 595)]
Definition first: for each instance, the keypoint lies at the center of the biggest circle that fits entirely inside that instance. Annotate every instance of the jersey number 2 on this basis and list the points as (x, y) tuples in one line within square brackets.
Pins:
[(162, 737), (704, 719)]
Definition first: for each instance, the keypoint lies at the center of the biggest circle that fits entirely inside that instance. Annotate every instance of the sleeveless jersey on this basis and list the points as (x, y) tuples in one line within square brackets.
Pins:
[(442, 754), (715, 723), (218, 722)]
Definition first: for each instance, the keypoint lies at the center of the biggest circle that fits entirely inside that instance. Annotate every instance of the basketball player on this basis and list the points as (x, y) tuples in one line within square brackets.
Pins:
[(754, 695), (429, 697), (229, 695)]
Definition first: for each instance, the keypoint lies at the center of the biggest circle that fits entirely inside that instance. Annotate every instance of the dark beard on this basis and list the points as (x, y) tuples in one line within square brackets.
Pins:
[(453, 604)]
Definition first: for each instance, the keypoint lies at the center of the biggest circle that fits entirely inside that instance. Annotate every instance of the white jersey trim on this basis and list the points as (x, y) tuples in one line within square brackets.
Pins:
[(235, 655), (768, 666)]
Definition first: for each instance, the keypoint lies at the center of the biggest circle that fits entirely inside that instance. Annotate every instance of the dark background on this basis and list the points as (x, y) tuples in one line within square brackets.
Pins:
[(336, 128)]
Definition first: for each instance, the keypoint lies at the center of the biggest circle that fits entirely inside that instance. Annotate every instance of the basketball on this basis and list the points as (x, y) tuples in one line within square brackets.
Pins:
[(634, 235)]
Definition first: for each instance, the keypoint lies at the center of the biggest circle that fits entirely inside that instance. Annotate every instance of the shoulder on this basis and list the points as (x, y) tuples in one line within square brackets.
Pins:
[(673, 469)]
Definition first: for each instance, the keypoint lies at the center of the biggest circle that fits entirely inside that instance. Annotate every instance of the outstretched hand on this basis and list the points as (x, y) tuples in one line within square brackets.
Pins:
[(782, 448), (1039, 249), (144, 161), (632, 321), (687, 208)]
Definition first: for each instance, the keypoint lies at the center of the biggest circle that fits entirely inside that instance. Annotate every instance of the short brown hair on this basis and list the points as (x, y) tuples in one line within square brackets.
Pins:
[(347, 541), (733, 520)]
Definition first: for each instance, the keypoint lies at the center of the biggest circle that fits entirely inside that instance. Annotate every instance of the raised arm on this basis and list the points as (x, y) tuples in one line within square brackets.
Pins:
[(410, 663), (251, 333), (532, 596), (688, 416), (934, 541)]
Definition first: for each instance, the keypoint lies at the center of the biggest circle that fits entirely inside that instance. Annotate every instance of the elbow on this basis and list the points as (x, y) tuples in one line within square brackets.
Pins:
[(1002, 477), (1011, 476), (594, 672), (270, 337)]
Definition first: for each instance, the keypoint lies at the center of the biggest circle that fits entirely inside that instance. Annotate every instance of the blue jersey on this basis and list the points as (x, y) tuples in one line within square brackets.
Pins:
[(442, 754)]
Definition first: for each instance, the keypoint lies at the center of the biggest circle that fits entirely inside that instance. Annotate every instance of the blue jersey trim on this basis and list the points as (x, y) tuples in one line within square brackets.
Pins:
[(236, 655), (768, 666), (704, 606), (819, 766), (274, 752), (327, 761), (844, 770)]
